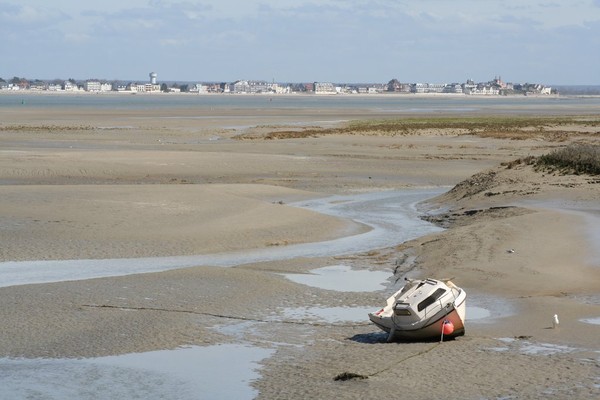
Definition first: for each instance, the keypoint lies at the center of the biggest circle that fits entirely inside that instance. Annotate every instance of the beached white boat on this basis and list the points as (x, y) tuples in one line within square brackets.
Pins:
[(422, 309)]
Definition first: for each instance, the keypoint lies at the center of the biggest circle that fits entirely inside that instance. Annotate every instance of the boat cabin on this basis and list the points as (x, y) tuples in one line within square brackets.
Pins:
[(421, 299)]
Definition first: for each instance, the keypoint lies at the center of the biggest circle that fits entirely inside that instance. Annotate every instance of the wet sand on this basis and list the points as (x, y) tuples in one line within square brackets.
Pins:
[(130, 185)]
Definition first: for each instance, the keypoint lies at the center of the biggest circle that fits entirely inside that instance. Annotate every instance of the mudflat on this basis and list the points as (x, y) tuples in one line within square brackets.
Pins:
[(104, 184)]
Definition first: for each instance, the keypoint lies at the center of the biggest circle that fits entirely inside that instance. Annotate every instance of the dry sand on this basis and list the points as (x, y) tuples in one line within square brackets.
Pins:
[(101, 184)]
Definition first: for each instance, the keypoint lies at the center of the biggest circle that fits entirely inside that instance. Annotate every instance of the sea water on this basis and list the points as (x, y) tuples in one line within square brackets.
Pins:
[(401, 104)]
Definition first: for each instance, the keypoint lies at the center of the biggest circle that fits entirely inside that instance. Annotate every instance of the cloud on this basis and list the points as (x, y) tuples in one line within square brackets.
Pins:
[(27, 17), (158, 20), (298, 39), (24, 24), (23, 14)]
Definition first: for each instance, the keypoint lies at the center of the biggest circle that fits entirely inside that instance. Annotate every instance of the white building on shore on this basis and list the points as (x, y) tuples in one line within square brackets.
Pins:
[(253, 87), (97, 86), (70, 86), (324, 88), (487, 90), (198, 88), (428, 87)]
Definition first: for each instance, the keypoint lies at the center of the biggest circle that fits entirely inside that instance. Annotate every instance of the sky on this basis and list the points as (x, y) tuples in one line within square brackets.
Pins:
[(341, 41)]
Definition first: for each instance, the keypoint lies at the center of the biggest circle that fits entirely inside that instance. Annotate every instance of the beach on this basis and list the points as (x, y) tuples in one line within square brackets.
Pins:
[(105, 183)]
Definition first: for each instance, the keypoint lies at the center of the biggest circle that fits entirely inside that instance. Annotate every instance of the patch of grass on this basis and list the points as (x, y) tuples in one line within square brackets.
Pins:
[(484, 124), (43, 128), (577, 159), (500, 127)]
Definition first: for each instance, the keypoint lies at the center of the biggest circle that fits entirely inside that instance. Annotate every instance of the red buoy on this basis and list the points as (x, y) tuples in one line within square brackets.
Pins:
[(447, 327)]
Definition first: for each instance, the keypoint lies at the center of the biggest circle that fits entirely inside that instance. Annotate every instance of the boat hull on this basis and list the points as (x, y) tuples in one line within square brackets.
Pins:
[(426, 328), (433, 330)]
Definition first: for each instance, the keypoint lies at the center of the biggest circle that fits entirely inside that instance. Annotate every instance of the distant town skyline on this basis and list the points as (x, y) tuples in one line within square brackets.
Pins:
[(495, 87), (298, 41)]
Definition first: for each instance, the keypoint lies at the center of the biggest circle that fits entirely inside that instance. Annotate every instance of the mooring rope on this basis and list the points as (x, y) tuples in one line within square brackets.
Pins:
[(344, 376), (235, 317)]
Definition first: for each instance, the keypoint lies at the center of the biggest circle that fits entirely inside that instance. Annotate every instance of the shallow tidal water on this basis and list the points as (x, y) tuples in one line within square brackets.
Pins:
[(392, 216), (186, 374), (198, 372)]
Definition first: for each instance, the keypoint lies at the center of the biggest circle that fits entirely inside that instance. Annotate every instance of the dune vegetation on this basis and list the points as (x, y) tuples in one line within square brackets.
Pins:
[(575, 159), (502, 127)]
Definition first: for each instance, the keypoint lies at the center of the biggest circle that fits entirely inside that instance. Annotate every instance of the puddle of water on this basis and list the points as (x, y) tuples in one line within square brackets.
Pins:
[(529, 348), (484, 309), (238, 330), (545, 349), (593, 321), (475, 313), (342, 278), (213, 372), (330, 315), (593, 299)]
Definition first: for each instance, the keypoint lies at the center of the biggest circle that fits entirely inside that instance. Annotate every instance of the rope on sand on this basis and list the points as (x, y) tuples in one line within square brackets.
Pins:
[(345, 376), (222, 316)]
